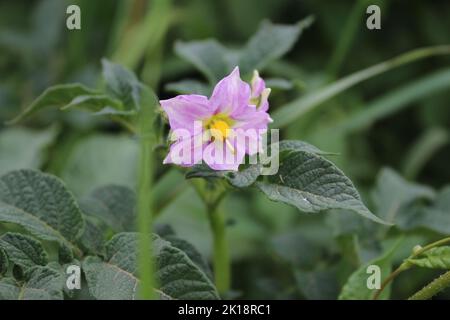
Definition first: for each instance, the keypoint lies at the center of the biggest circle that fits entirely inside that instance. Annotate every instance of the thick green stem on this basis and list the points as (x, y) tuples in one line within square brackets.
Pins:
[(145, 203), (222, 272), (433, 288)]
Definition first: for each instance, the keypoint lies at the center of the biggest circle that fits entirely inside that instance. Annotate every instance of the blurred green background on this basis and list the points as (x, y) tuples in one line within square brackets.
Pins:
[(399, 119)]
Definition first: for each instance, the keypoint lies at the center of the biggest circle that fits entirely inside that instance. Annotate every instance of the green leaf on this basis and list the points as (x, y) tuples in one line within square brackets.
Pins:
[(56, 96), (270, 42), (433, 217), (356, 286), (41, 204), (208, 56), (122, 84), (312, 184), (215, 61), (22, 148), (191, 252), (92, 239), (434, 258), (81, 171), (393, 193), (117, 278), (99, 104), (42, 283), (241, 179), (114, 205), (189, 86), (4, 262), (23, 250)]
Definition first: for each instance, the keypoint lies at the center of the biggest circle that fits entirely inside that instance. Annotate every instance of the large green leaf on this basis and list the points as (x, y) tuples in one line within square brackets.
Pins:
[(248, 174), (435, 258), (117, 276), (41, 204), (114, 205), (22, 148), (191, 252), (209, 56), (23, 250), (270, 42), (392, 192), (312, 184), (42, 283)]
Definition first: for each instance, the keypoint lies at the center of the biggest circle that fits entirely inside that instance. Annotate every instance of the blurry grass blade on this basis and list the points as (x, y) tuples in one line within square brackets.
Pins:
[(291, 111), (396, 100), (423, 150), (346, 37), (146, 34)]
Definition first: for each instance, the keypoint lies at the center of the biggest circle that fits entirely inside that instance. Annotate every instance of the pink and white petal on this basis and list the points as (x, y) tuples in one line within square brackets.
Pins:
[(219, 156), (252, 118), (186, 152), (183, 110), (231, 94)]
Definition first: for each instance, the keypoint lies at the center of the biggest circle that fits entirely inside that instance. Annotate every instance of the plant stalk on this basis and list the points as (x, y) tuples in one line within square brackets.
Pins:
[(145, 207), (433, 288), (221, 259)]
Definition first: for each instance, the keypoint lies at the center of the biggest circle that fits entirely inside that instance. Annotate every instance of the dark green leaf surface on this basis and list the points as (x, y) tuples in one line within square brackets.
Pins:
[(312, 184), (114, 205), (117, 278), (23, 250), (42, 283), (41, 204)]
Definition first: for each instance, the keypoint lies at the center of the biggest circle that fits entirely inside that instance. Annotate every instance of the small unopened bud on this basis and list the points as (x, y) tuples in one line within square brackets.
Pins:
[(416, 249)]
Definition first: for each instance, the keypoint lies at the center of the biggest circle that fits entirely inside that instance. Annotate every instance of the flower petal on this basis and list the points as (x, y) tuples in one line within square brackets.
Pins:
[(186, 152), (183, 110), (231, 94), (219, 156)]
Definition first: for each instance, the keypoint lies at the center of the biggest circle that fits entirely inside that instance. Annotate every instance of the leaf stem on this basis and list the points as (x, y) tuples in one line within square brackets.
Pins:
[(221, 259), (406, 265), (433, 288)]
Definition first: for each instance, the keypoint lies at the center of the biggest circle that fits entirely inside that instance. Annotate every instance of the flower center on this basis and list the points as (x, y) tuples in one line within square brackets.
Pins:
[(219, 126), (220, 129)]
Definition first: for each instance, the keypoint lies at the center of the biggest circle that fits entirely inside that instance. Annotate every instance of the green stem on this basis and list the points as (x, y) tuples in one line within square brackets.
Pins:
[(433, 288), (221, 261), (406, 264), (145, 206)]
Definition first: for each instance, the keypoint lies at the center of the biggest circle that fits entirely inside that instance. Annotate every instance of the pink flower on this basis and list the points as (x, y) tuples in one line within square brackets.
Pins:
[(220, 130)]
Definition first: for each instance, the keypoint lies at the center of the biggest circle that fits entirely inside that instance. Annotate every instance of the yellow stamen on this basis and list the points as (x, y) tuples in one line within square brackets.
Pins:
[(220, 129)]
